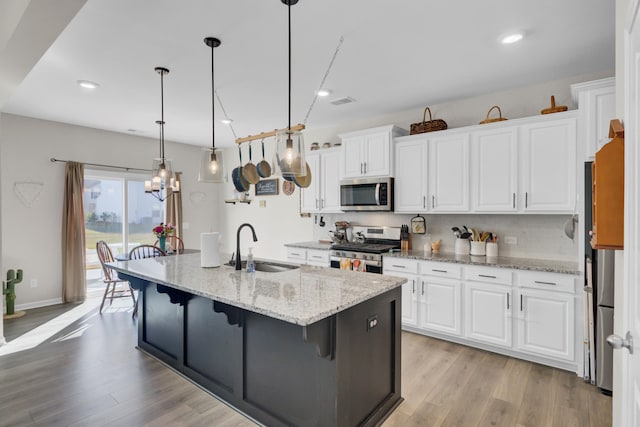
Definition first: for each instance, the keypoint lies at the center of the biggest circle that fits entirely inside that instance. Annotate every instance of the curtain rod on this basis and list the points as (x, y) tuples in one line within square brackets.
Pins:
[(53, 160)]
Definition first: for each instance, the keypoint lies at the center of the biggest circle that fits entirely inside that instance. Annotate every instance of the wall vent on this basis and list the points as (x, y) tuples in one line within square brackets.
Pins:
[(342, 101)]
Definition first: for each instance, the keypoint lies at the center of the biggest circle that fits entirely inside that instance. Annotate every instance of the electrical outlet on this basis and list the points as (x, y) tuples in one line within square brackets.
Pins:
[(372, 322), (511, 240), (33, 283), (263, 203)]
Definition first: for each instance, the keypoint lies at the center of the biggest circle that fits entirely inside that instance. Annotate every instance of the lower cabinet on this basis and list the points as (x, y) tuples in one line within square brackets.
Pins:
[(526, 314), (487, 313), (546, 323), (317, 257), (439, 305)]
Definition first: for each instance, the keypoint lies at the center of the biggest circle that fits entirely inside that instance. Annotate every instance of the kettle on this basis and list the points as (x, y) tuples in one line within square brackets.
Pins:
[(338, 236)]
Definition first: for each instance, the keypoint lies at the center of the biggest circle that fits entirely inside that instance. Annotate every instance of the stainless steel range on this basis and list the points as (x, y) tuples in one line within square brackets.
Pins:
[(365, 252)]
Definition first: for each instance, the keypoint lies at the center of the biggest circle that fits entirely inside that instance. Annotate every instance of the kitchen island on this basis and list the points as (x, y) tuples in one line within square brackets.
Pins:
[(310, 346)]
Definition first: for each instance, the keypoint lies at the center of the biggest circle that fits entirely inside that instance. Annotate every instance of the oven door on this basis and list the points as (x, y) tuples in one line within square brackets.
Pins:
[(367, 194)]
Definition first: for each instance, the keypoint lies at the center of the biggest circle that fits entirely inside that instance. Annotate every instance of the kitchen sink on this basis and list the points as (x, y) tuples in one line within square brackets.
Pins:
[(268, 266)]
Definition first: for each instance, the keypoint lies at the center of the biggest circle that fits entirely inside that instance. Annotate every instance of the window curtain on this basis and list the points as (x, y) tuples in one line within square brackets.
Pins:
[(74, 287), (173, 206)]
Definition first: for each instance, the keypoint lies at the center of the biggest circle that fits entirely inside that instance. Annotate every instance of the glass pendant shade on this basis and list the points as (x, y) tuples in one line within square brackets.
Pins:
[(212, 166), (162, 169), (290, 153)]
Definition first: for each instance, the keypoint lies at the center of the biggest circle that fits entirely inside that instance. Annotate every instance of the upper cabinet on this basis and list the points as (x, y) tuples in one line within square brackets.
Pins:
[(323, 195), (449, 173), (369, 152), (548, 166), (494, 166), (597, 103), (516, 166), (411, 182)]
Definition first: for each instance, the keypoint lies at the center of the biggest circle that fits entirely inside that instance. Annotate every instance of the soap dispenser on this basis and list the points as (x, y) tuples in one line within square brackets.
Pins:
[(251, 265)]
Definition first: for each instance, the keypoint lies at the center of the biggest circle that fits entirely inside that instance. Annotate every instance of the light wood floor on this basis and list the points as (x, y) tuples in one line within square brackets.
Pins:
[(90, 374)]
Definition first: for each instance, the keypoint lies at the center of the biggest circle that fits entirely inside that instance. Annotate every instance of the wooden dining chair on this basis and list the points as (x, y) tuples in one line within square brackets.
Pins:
[(145, 251), (176, 243), (112, 290)]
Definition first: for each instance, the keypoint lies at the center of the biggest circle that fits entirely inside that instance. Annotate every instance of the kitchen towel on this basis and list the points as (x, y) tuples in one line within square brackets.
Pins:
[(210, 249)]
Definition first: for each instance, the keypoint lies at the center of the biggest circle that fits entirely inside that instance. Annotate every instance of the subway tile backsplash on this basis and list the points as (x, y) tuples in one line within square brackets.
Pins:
[(538, 236)]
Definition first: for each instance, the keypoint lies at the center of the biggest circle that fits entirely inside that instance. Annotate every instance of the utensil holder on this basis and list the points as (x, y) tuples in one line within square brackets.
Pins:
[(462, 247), (478, 248), (492, 249)]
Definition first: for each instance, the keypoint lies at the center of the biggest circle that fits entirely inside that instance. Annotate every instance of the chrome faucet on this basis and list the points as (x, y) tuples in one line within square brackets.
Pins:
[(255, 239)]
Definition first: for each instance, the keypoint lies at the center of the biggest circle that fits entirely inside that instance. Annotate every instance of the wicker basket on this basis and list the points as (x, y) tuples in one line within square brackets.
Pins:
[(553, 108), (427, 126), (496, 119)]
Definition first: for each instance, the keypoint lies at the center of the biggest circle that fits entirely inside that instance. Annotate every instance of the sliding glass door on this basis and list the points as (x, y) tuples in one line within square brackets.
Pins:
[(118, 211)]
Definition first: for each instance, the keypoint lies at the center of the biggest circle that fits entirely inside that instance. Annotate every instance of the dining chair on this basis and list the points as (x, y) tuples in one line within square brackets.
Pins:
[(146, 251), (176, 243), (110, 278)]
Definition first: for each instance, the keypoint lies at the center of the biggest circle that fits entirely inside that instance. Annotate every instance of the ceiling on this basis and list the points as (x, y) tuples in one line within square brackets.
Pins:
[(396, 55)]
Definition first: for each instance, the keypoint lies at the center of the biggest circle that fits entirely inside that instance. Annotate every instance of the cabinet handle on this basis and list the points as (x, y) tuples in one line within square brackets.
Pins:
[(293, 253), (514, 200), (439, 271), (361, 172), (316, 203), (433, 202), (487, 276), (545, 283), (321, 203), (316, 256), (413, 286), (508, 301), (365, 167), (398, 266), (422, 287), (424, 202), (526, 199), (521, 302)]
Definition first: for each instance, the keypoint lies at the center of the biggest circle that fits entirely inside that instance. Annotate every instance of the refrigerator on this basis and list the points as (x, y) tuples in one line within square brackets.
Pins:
[(600, 283)]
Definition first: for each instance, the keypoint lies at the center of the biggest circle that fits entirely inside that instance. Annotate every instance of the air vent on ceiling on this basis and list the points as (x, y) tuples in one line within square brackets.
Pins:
[(342, 101)]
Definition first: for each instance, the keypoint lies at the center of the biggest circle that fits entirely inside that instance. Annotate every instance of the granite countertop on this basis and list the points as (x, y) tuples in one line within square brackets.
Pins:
[(302, 296), (548, 265), (314, 244)]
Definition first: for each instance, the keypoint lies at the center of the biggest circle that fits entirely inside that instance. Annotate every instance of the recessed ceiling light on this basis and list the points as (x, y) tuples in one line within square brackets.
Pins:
[(511, 38), (88, 84), (323, 92), (226, 121)]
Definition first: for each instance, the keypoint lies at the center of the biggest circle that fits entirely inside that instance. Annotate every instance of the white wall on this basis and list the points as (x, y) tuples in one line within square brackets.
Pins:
[(31, 237)]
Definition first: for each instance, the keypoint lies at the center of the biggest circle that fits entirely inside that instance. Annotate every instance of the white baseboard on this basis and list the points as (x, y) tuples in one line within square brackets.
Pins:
[(36, 304)]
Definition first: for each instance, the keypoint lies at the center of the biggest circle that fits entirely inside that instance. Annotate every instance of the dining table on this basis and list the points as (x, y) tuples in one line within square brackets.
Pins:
[(125, 256)]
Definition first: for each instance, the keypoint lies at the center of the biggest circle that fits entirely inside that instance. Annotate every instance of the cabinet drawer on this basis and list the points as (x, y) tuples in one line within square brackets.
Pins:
[(400, 264), (317, 256), (549, 281), (441, 269), (297, 253), (501, 276)]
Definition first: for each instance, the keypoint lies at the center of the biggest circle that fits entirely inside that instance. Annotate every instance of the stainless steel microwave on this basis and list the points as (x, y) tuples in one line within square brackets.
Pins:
[(366, 194)]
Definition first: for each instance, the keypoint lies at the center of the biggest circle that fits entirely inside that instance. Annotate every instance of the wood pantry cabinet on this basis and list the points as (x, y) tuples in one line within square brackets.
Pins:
[(520, 313), (516, 166), (323, 195), (369, 152)]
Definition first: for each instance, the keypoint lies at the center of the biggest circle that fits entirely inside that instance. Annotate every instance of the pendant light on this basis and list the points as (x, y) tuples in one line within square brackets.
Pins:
[(212, 162), (290, 143), (162, 176)]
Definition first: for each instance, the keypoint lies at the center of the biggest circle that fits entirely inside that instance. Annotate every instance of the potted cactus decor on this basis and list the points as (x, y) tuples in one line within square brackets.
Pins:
[(9, 290)]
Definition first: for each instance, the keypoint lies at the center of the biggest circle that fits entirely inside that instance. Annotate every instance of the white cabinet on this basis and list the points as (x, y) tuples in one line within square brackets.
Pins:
[(449, 173), (548, 165), (597, 103), (546, 323), (487, 313), (411, 184), (369, 152), (494, 170), (317, 257), (323, 195), (407, 269), (439, 305)]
